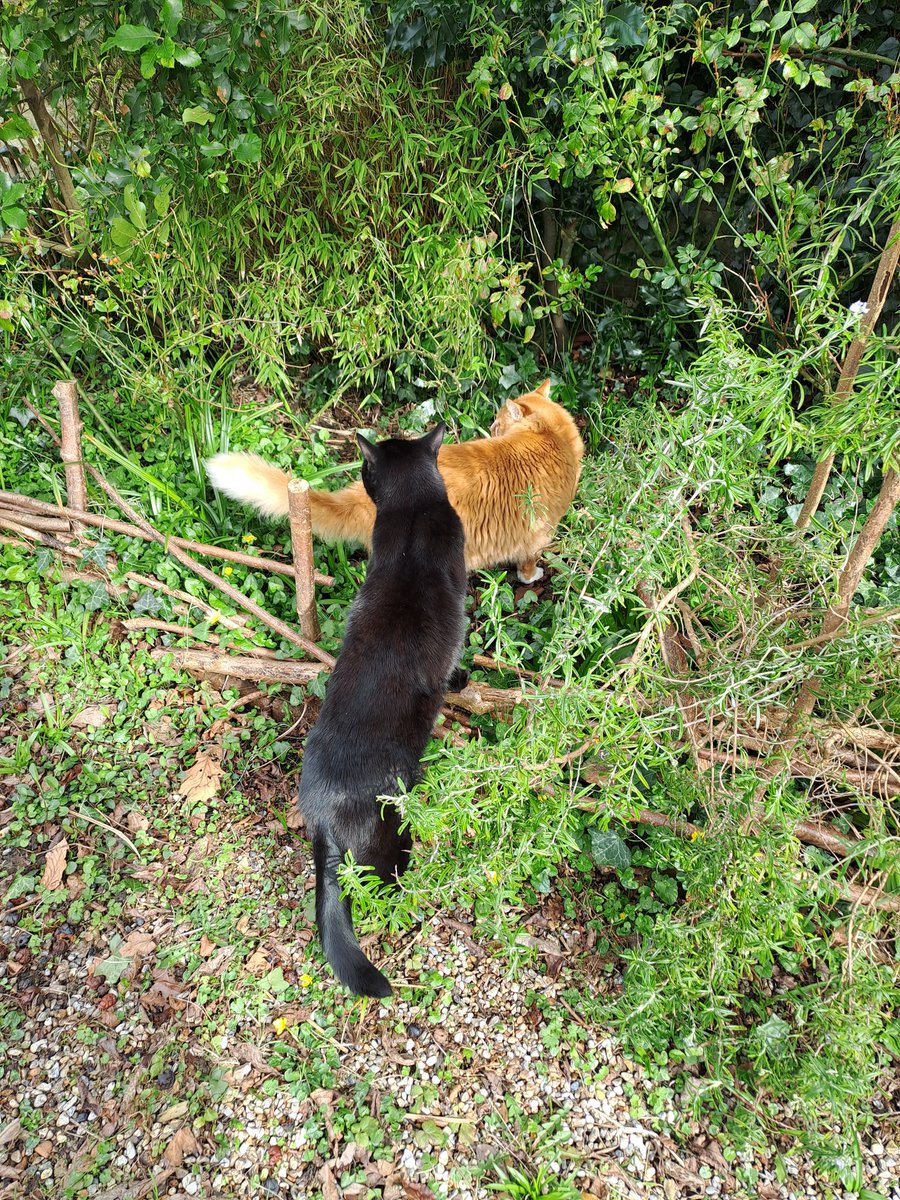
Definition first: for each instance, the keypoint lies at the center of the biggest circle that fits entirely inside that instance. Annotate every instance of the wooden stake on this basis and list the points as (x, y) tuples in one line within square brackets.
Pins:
[(301, 543), (64, 392)]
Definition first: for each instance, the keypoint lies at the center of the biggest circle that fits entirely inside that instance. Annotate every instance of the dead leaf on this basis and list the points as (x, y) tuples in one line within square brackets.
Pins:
[(75, 886), (416, 1191), (346, 1157), (11, 1132), (214, 965), (202, 781), (206, 947), (136, 821), (246, 1052), (93, 716), (55, 865), (173, 1113), (182, 1144), (137, 943), (44, 1149), (257, 963), (330, 1189)]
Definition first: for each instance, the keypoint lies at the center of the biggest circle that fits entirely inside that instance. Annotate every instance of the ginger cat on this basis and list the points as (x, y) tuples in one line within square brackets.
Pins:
[(510, 489)]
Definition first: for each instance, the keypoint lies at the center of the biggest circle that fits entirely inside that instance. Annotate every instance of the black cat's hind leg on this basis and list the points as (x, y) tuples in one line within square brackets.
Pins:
[(459, 678)]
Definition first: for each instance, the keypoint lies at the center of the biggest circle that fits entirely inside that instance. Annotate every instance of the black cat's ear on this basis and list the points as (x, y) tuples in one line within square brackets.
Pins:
[(433, 438), (367, 447)]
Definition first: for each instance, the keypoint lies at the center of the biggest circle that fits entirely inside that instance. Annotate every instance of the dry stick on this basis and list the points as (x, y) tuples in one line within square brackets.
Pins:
[(887, 265), (279, 626), (14, 500), (239, 666), (36, 521), (301, 544), (147, 581), (836, 617), (64, 392), (135, 624)]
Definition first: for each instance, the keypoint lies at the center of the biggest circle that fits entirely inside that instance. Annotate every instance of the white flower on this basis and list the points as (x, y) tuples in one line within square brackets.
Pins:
[(859, 308)]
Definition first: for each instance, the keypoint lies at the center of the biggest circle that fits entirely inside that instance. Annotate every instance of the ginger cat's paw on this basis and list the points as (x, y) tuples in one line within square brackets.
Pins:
[(529, 572)]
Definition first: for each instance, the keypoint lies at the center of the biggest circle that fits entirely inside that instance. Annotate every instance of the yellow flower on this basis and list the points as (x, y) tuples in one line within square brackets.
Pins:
[(696, 834), (248, 539), (493, 877), (227, 571), (306, 981), (279, 1024)]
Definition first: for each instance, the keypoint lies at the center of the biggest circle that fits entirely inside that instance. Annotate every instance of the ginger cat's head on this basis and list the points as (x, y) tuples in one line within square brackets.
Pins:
[(514, 411)]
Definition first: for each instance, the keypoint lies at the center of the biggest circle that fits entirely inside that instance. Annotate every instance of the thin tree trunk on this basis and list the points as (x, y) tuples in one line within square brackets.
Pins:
[(887, 265), (849, 581), (76, 229)]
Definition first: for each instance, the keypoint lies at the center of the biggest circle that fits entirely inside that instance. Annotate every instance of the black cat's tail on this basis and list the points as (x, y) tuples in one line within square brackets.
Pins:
[(333, 917)]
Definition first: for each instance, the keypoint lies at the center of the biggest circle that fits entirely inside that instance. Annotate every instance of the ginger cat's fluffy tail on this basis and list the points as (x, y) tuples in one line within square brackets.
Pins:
[(344, 516)]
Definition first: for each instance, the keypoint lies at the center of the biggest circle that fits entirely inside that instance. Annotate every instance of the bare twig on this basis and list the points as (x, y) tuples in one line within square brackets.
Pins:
[(492, 664), (66, 395), (887, 265), (301, 543), (12, 500)]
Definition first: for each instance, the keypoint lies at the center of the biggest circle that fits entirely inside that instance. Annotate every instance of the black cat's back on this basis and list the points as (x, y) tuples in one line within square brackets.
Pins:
[(401, 647)]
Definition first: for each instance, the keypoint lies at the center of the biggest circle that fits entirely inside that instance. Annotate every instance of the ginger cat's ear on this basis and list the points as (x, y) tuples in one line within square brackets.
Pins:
[(544, 389), (367, 447), (514, 410)]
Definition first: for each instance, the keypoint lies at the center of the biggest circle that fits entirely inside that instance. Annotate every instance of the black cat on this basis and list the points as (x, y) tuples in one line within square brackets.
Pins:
[(400, 653)]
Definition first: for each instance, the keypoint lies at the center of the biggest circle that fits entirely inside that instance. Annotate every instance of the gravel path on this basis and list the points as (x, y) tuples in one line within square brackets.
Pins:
[(157, 1085)]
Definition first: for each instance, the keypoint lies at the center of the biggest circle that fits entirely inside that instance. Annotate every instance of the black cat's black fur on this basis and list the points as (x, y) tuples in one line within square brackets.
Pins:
[(400, 653)]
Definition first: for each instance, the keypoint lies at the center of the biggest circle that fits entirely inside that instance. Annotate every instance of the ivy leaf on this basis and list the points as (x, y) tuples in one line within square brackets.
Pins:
[(43, 559), (196, 116), (247, 148), (97, 553), (148, 602), (97, 596), (608, 849), (187, 57), (773, 1035), (130, 38), (114, 967)]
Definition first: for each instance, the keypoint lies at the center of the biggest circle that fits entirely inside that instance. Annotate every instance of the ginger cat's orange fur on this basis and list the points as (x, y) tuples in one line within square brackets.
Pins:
[(510, 489)]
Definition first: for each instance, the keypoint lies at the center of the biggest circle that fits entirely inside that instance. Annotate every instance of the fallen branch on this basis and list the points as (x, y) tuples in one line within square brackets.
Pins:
[(13, 500), (237, 666), (479, 699), (35, 521), (135, 624)]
